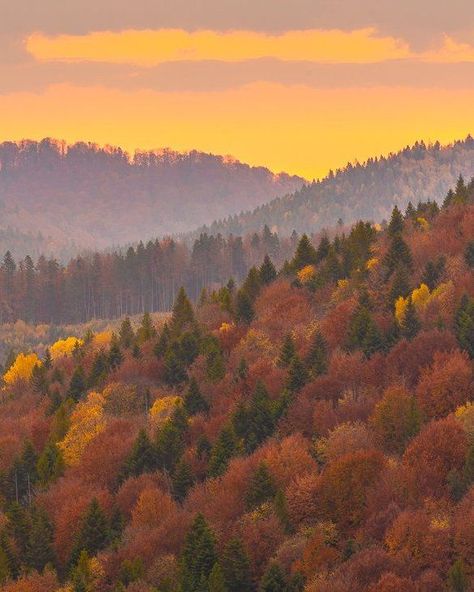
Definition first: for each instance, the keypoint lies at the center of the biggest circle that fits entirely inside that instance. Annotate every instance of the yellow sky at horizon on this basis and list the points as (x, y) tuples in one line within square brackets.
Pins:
[(296, 129)]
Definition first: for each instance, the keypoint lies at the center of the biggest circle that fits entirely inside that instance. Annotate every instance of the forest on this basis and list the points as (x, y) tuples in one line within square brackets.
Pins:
[(300, 423)]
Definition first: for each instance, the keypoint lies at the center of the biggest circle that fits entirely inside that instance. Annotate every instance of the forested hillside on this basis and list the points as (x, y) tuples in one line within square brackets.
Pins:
[(365, 191), (85, 196), (309, 429)]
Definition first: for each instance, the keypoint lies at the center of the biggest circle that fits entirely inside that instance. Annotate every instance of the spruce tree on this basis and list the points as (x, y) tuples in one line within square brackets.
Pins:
[(199, 556), (175, 369), (464, 324), (469, 254), (323, 249), (147, 330), (411, 324), (363, 333), (93, 534), (396, 222), (183, 314), (99, 369), (287, 352), (457, 578), (252, 283), (216, 580), (126, 334), (182, 480), (317, 359), (170, 442), (223, 450), (305, 254), (273, 580), (38, 379), (163, 342), (40, 551), (297, 375), (50, 464), (261, 488), (115, 356), (398, 255), (243, 307), (267, 271), (77, 386), (236, 567), (400, 285), (194, 402), (142, 457)]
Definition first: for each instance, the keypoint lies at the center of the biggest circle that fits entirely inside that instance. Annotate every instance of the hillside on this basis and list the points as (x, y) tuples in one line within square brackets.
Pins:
[(310, 430), (97, 197), (365, 191)]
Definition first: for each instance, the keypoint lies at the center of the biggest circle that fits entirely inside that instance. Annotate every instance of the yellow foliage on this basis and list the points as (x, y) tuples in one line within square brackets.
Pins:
[(423, 223), (440, 522), (102, 339), (21, 368), (400, 309), (256, 342), (226, 327), (163, 409), (64, 347), (87, 421), (306, 274), (465, 414), (378, 227), (371, 263), (420, 296)]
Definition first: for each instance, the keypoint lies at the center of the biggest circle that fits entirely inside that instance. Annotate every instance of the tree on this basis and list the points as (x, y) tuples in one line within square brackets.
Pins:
[(216, 579), (363, 333), (457, 578), (163, 342), (126, 334), (305, 254), (273, 580), (261, 488), (182, 480), (40, 550), (199, 556), (77, 386), (464, 324), (243, 307), (50, 464), (194, 402), (183, 314), (287, 352), (317, 359), (115, 356), (398, 255), (142, 457), (267, 271), (236, 567), (146, 331), (223, 450), (396, 222), (297, 375), (469, 254), (93, 534), (170, 441), (411, 324)]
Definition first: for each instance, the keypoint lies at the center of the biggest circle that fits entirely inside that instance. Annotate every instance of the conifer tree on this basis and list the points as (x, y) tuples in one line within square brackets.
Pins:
[(297, 375), (93, 534), (99, 369), (236, 567), (469, 254), (223, 450), (126, 334), (163, 342), (396, 222), (411, 324), (267, 271), (182, 480), (457, 578), (243, 307), (305, 254), (115, 357), (261, 488), (400, 285), (199, 556), (147, 330), (252, 283), (364, 333), (142, 457), (317, 359), (398, 255), (287, 352), (183, 314), (77, 386), (170, 441), (194, 402), (175, 370), (464, 324), (40, 551), (38, 379), (273, 580), (19, 526), (323, 249), (216, 580), (50, 464)]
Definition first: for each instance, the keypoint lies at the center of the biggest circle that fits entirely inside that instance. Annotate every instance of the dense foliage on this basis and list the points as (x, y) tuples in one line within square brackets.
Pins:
[(307, 430)]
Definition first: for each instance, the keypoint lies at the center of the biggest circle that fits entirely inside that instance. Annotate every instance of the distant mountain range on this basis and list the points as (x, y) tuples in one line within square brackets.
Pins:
[(360, 191), (85, 196)]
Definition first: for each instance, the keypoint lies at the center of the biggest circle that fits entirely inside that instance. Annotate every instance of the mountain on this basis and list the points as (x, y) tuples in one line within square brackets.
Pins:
[(360, 191), (101, 196), (311, 431)]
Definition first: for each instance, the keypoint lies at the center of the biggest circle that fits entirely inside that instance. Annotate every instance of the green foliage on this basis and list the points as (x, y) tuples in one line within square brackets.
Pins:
[(469, 254), (261, 488), (170, 441), (305, 254), (411, 324), (78, 384), (93, 534), (398, 255), (363, 333), (317, 359), (194, 402), (199, 556), (142, 457), (268, 272), (182, 480), (223, 450), (126, 334), (464, 324), (146, 330), (236, 567), (396, 223), (183, 314), (287, 352), (273, 580), (457, 578), (254, 422), (244, 311), (115, 356)]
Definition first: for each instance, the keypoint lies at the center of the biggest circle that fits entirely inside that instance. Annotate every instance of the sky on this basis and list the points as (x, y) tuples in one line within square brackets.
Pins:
[(301, 86)]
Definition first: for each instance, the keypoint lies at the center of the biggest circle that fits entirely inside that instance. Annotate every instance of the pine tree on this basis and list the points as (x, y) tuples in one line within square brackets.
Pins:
[(464, 324), (297, 375), (236, 567), (268, 272), (182, 480), (147, 330), (216, 579), (252, 283), (183, 314), (317, 359), (170, 442), (223, 450), (364, 333), (93, 534), (305, 254), (199, 556), (323, 249), (38, 379), (398, 255), (287, 352), (142, 458), (400, 285), (163, 342), (261, 488), (40, 550), (126, 334), (411, 324), (194, 402), (243, 307), (50, 464), (396, 222), (273, 580), (115, 356)]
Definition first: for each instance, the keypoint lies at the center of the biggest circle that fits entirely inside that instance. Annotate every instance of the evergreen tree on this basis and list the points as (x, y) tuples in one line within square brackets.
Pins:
[(305, 254), (268, 272), (175, 369), (142, 458), (457, 578), (194, 402), (297, 375), (432, 273), (163, 342), (199, 556), (236, 567), (40, 550), (363, 333), (281, 510), (411, 324), (99, 369), (252, 283), (183, 314), (223, 450), (400, 285), (182, 480), (317, 359), (469, 254), (170, 441), (287, 352), (243, 307), (323, 249), (9, 564), (38, 379), (216, 579), (398, 255), (147, 330), (115, 357), (93, 534), (261, 488), (50, 464), (19, 526), (396, 222), (126, 334), (464, 324), (273, 580), (47, 360)]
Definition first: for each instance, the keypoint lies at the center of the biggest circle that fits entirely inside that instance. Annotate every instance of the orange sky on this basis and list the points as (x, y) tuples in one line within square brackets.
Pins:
[(303, 101)]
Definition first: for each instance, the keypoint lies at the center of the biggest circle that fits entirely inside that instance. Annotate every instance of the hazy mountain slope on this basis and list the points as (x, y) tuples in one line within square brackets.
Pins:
[(361, 191), (101, 196)]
